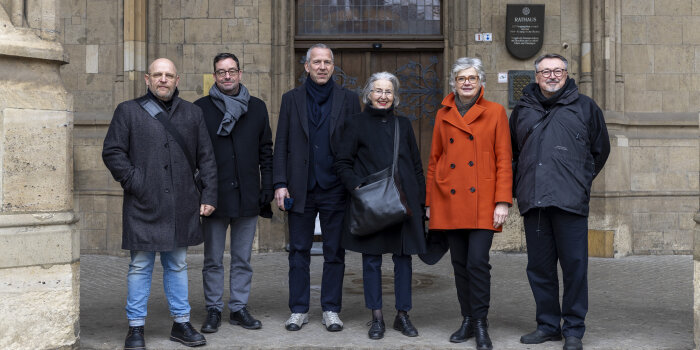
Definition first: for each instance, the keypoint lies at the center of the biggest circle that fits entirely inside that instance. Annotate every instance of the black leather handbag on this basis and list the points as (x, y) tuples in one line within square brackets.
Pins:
[(378, 202)]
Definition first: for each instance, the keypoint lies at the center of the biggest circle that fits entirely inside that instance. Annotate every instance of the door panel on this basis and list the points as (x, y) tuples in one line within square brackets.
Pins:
[(420, 93)]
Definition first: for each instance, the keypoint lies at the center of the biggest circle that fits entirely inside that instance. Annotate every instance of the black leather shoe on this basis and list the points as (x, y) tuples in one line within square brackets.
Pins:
[(213, 321), (573, 343), (481, 334), (538, 337), (134, 339), (243, 318), (186, 334), (376, 329), (465, 331), (404, 325)]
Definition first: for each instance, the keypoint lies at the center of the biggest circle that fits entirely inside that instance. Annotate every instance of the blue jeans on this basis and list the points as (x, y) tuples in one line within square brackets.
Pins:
[(174, 284)]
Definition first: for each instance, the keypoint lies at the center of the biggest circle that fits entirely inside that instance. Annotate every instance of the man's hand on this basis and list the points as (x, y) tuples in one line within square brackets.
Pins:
[(206, 209), (280, 194), (500, 214)]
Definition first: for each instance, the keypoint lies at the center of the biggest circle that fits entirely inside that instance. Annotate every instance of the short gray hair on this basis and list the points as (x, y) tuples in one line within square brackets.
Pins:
[(466, 63), (551, 55), (317, 46), (381, 76)]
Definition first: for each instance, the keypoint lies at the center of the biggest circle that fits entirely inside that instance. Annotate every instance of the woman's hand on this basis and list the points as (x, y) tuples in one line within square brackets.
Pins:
[(500, 214)]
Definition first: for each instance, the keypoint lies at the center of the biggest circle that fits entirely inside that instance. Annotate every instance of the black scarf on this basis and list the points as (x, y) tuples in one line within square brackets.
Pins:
[(318, 106), (548, 102)]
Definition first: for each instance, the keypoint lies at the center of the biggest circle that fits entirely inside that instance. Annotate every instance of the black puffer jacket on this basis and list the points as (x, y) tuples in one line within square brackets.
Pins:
[(556, 164)]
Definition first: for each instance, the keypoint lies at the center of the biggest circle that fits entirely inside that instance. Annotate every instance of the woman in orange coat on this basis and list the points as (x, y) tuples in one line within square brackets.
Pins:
[(468, 189)]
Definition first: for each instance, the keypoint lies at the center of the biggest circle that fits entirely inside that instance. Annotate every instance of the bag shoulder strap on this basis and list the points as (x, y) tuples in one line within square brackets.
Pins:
[(543, 121), (154, 110), (396, 145)]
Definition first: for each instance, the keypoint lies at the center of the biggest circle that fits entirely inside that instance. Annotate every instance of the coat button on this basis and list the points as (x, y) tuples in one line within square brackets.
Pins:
[(471, 137), (452, 165), (167, 190), (165, 145), (472, 190), (453, 191), (452, 140), (471, 163), (165, 167)]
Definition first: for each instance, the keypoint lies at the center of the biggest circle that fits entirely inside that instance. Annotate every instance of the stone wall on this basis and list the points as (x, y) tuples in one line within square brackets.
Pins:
[(39, 245)]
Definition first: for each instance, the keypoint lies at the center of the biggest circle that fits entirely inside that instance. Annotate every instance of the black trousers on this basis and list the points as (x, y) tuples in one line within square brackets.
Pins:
[(552, 235), (469, 250)]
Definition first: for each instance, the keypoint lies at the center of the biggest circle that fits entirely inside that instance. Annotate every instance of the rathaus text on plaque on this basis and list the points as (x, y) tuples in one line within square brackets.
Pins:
[(524, 29)]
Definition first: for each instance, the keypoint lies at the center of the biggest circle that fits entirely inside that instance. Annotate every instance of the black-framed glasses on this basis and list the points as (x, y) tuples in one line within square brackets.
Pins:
[(222, 73), (472, 79), (548, 72)]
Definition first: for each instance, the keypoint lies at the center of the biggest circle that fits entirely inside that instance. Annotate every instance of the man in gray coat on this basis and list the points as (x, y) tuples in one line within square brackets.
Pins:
[(149, 154)]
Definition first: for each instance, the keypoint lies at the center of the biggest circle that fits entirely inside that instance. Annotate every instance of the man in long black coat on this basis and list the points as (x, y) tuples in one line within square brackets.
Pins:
[(310, 123), (239, 128), (162, 203), (560, 143)]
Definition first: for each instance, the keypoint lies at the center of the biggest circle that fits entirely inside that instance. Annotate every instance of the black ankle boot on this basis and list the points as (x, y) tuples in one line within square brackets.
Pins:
[(186, 334), (134, 339), (465, 331), (481, 333)]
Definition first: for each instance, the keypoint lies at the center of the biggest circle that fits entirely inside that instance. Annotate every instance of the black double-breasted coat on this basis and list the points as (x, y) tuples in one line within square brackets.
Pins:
[(161, 202), (368, 147)]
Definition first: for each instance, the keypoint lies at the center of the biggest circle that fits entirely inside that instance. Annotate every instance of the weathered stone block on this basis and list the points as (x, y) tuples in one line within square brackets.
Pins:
[(675, 101), (637, 59), (634, 30), (646, 242), (242, 30), (52, 320), (672, 7), (664, 30), (37, 176), (176, 30), (662, 82), (203, 31), (257, 58), (570, 22), (102, 22), (222, 9), (170, 8), (643, 101), (691, 30), (673, 58), (552, 30), (638, 7), (108, 64), (195, 9)]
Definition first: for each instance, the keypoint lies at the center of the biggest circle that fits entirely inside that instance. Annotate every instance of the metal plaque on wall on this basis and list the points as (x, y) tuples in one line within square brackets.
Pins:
[(524, 29)]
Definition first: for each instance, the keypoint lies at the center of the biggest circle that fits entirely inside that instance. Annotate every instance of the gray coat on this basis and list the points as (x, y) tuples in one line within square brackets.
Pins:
[(161, 202)]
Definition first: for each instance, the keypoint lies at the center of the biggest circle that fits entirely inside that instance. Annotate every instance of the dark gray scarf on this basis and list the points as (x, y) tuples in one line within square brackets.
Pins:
[(233, 107)]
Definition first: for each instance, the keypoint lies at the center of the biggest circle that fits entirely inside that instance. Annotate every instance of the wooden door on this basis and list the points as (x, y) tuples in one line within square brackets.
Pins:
[(420, 93)]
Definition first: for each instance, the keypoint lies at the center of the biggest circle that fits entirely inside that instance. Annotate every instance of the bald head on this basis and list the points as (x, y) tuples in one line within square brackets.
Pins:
[(162, 78)]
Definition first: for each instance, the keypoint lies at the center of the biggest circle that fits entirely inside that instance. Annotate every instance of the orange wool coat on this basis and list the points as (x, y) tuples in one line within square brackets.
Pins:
[(470, 168)]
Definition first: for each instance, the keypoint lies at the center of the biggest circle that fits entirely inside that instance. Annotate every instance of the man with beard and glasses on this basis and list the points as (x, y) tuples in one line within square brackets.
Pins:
[(239, 128), (149, 147), (560, 143), (311, 121)]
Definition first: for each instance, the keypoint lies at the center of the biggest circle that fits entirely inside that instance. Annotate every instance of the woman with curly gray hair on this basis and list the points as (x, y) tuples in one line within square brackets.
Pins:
[(468, 190), (368, 147)]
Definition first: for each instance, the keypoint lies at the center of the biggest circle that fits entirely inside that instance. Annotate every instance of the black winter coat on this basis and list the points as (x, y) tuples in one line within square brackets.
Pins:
[(291, 156), (556, 164), (368, 147), (161, 202), (243, 158)]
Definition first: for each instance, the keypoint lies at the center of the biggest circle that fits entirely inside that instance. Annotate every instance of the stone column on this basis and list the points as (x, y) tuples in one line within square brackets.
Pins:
[(696, 279), (134, 47), (39, 246)]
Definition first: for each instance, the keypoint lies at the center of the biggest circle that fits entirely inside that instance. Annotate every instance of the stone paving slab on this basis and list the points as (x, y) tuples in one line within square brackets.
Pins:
[(638, 302)]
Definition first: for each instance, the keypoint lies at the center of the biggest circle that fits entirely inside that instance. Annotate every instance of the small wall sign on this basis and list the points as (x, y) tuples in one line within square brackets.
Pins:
[(524, 29)]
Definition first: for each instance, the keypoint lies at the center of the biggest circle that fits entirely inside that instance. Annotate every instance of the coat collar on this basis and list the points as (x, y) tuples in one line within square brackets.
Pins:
[(337, 100), (463, 122)]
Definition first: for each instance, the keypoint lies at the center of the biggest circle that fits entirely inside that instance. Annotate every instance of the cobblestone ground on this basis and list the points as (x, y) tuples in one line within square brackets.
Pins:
[(639, 302)]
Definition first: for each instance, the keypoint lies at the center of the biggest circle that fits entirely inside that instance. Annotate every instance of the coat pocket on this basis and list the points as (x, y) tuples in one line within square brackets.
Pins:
[(486, 166)]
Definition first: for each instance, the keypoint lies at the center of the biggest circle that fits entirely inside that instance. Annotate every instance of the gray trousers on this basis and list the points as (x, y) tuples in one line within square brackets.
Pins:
[(240, 273)]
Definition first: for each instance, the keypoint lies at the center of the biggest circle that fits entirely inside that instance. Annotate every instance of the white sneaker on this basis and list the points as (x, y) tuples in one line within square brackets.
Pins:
[(332, 321), (296, 321)]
